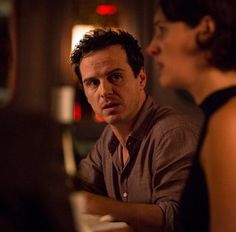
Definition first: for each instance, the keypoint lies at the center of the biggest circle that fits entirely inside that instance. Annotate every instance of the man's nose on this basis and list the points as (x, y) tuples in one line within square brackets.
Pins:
[(106, 88), (153, 48)]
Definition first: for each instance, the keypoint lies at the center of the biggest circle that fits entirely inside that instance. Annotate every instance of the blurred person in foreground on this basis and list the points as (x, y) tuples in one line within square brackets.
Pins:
[(33, 193), (138, 167), (195, 48)]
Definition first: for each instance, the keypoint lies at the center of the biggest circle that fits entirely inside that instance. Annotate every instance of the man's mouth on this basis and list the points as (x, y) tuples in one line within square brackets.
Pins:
[(109, 106)]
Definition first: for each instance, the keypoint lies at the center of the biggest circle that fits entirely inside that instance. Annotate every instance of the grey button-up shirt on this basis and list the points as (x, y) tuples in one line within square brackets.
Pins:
[(161, 147)]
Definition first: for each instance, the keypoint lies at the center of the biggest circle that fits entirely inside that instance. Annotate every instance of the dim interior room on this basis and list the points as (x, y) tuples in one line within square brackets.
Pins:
[(43, 33)]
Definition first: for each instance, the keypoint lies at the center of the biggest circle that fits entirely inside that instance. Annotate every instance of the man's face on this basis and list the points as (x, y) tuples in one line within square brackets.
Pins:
[(110, 85)]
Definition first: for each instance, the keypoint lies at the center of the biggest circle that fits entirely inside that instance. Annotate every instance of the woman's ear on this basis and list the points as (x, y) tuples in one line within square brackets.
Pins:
[(206, 29)]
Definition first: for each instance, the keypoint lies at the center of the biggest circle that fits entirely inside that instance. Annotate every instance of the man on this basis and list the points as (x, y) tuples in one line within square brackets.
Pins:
[(137, 169)]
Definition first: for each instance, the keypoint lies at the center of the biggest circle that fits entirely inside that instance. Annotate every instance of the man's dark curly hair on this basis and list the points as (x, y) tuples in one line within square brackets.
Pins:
[(100, 38)]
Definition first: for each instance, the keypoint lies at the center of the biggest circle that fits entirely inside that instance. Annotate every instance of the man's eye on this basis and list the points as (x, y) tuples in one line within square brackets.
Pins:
[(115, 77), (92, 83)]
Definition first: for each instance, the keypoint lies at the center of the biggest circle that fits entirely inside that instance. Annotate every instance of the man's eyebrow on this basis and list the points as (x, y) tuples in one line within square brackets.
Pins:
[(114, 70), (86, 79)]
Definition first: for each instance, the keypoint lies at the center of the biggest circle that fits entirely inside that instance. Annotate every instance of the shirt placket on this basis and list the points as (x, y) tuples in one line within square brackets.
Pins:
[(124, 177), (125, 191)]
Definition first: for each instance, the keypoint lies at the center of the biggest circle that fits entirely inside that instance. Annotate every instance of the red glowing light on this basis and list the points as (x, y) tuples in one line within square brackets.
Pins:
[(106, 9), (77, 112), (97, 118)]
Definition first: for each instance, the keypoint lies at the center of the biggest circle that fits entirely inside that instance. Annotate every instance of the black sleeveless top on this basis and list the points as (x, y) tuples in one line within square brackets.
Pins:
[(194, 207)]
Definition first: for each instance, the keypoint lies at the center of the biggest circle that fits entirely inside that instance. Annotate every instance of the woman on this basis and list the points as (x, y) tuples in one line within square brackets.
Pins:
[(195, 48)]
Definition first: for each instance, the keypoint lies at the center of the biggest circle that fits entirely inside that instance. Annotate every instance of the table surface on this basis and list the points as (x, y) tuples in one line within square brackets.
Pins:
[(93, 223)]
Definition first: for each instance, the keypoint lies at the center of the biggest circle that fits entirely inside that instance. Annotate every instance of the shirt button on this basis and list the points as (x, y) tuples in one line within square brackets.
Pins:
[(125, 194)]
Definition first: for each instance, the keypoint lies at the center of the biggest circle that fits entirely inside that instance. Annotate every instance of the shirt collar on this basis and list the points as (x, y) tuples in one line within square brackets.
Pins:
[(140, 126), (144, 118)]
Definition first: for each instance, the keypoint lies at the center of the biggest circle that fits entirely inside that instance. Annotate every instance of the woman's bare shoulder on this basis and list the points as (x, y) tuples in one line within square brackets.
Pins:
[(221, 136), (224, 120)]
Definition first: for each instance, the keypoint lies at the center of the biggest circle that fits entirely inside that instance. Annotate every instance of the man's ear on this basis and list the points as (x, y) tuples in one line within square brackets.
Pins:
[(142, 78), (206, 29)]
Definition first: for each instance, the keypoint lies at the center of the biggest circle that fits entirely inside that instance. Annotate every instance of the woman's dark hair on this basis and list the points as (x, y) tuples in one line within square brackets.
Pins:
[(222, 44), (100, 38)]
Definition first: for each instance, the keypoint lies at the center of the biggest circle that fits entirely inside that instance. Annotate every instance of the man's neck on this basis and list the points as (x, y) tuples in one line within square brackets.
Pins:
[(123, 129), (122, 132)]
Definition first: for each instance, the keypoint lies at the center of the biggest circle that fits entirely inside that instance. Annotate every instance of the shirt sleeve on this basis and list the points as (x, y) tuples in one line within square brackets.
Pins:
[(172, 164), (90, 174)]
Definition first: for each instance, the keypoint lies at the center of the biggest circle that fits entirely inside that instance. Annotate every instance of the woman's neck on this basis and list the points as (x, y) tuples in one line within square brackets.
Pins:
[(210, 81)]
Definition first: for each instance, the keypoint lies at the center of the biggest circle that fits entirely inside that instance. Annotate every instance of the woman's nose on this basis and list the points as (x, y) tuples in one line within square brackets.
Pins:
[(153, 48)]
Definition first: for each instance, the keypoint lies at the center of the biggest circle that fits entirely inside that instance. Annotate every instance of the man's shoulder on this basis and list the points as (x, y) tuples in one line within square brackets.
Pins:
[(165, 113), (166, 118)]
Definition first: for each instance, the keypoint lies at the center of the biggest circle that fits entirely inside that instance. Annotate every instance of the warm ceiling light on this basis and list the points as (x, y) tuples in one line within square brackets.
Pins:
[(106, 9), (78, 32)]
